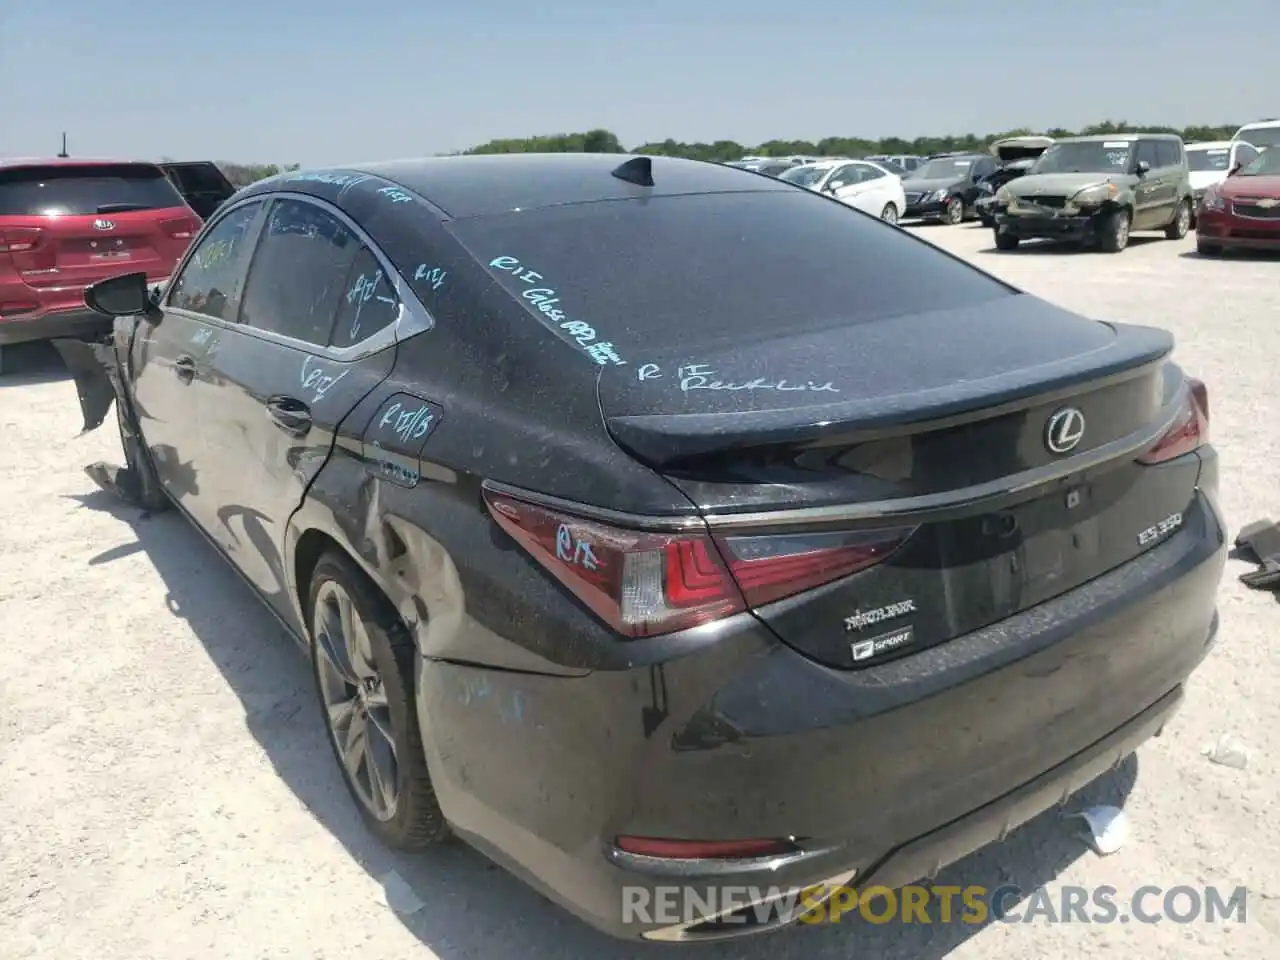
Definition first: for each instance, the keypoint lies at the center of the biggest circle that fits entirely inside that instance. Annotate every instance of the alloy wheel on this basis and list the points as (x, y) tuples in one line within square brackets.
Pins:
[(889, 214), (1122, 232), (355, 701), (955, 210), (1184, 220)]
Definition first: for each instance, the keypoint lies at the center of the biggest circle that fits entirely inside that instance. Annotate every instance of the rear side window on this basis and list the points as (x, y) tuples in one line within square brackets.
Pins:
[(1168, 152), (200, 178), (617, 278), (299, 272), (368, 303), (210, 280), (85, 190)]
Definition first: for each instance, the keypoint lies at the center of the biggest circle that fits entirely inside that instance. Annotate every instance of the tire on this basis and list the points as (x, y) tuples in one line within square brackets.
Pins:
[(1113, 231), (144, 482), (1208, 249), (1181, 224), (954, 212), (1007, 241), (988, 222), (382, 702), (889, 214)]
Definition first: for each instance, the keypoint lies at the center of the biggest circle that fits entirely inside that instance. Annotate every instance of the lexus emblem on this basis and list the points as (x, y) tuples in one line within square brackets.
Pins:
[(1064, 430), (103, 225)]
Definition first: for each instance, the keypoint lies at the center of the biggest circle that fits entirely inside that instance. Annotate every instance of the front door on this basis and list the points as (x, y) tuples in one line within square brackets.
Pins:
[(170, 357), (315, 335)]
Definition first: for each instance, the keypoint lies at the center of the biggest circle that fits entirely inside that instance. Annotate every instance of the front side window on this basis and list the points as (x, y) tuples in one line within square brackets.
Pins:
[(210, 279), (1265, 164), (1147, 153), (299, 272), (1245, 154), (806, 175)]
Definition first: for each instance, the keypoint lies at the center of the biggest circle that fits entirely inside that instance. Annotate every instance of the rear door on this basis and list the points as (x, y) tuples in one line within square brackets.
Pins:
[(315, 333), (77, 223), (172, 386)]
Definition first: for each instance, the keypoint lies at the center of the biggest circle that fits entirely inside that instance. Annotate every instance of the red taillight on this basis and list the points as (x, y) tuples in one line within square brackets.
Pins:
[(19, 239), (773, 566), (1189, 431), (645, 584), (704, 849), (641, 584), (181, 229)]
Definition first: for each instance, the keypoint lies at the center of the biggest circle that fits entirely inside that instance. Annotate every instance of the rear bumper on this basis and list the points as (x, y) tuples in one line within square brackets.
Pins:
[(889, 772), (47, 326)]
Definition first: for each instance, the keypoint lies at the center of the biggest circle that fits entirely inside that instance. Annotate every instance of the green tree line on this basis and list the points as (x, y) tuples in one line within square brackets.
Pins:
[(603, 141)]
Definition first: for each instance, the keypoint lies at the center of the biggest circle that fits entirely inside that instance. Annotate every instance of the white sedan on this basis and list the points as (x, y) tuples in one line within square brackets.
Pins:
[(860, 183)]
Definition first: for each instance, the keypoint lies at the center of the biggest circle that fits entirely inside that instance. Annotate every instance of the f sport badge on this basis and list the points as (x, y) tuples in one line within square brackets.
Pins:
[(876, 646)]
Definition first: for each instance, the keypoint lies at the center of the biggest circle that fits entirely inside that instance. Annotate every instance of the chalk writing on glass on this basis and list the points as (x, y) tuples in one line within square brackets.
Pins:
[(395, 195), (545, 300), (362, 291), (316, 379), (574, 551), (201, 336), (434, 275), (700, 376), (407, 424)]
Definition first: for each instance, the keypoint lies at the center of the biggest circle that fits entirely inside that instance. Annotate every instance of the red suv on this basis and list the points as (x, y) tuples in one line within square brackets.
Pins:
[(65, 224)]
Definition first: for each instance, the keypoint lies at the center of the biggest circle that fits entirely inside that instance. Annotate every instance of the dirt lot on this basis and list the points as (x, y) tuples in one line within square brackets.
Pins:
[(167, 792)]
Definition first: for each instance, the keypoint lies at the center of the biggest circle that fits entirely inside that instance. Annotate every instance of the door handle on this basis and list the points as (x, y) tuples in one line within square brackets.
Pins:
[(290, 415), (185, 368)]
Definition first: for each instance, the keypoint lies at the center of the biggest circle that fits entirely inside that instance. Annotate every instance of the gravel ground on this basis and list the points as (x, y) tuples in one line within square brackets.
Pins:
[(167, 792)]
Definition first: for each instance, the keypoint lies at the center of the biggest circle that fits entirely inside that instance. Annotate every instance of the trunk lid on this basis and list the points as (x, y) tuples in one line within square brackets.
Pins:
[(927, 434)]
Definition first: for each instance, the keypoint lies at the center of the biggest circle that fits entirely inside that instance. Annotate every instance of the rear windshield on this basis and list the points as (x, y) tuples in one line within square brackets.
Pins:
[(1262, 137), (84, 190), (1217, 158), (714, 269)]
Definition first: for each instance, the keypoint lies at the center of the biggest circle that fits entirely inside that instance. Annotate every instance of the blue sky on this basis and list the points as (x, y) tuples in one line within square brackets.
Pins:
[(320, 82)]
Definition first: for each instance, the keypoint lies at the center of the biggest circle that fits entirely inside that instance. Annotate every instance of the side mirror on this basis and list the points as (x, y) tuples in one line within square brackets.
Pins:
[(834, 185), (123, 296), (1234, 170), (1143, 168)]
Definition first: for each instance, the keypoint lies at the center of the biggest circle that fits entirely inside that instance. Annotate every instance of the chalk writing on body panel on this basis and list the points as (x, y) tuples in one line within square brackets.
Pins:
[(701, 376), (397, 435), (319, 377), (547, 302)]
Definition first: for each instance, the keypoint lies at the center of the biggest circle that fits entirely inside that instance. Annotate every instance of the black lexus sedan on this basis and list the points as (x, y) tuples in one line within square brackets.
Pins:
[(641, 551)]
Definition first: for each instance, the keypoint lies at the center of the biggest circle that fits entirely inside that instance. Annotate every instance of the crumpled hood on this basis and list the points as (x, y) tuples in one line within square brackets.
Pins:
[(1063, 184), (1264, 186)]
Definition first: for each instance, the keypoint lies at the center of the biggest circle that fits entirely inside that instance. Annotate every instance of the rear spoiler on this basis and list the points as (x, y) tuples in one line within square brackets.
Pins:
[(660, 439)]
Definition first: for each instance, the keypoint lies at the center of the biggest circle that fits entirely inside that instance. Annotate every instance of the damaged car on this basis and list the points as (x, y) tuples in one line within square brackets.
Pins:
[(637, 555), (1097, 190), (1017, 155)]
